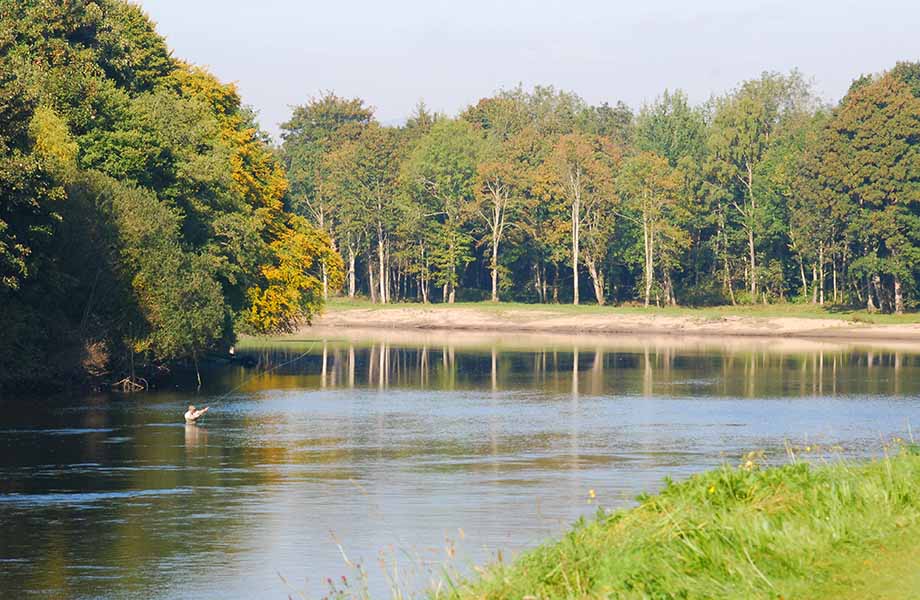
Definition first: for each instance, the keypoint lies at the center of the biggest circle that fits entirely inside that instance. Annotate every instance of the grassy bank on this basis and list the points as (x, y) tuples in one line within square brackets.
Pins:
[(796, 531), (766, 311)]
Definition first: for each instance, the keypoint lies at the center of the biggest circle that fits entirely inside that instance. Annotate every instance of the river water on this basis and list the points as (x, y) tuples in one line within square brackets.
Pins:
[(403, 456)]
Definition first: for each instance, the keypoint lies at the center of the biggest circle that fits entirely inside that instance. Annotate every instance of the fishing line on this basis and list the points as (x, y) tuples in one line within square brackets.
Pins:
[(266, 372)]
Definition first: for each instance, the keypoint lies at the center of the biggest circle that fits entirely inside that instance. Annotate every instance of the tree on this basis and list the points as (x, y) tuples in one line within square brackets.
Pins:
[(650, 187), (366, 171), (579, 171), (315, 129), (671, 128), (744, 126), (442, 170), (501, 177), (868, 158)]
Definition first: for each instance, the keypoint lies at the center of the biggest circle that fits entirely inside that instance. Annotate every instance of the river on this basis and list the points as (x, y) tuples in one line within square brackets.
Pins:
[(403, 456)]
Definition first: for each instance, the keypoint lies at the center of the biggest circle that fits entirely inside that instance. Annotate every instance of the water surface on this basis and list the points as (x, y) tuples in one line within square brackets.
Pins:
[(405, 451)]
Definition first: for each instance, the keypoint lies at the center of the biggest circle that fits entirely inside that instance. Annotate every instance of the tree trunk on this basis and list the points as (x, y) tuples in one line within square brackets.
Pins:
[(538, 284), (753, 258), (804, 280), (821, 276), (325, 280), (727, 275), (870, 305), (898, 296), (750, 228), (352, 280), (543, 281), (576, 222), (877, 287), (597, 279), (814, 283), (382, 267), (371, 286), (494, 266), (648, 243), (669, 284)]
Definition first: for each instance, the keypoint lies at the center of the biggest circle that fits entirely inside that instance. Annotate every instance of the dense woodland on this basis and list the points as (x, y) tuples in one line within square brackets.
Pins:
[(765, 194), (143, 215), (146, 219)]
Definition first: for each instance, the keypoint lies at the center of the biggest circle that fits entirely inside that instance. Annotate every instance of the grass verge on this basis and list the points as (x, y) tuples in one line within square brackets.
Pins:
[(841, 530)]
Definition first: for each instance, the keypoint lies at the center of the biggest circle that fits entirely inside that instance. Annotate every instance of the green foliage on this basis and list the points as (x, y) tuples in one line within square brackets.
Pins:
[(142, 208), (791, 531), (521, 190)]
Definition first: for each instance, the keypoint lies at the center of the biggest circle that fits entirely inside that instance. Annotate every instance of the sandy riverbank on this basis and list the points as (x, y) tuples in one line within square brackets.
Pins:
[(599, 322)]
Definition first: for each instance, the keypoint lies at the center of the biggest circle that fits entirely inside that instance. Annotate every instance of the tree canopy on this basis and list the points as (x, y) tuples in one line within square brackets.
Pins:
[(143, 218)]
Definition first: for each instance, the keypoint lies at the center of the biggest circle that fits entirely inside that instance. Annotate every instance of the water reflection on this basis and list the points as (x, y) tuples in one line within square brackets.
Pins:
[(400, 440), (583, 365)]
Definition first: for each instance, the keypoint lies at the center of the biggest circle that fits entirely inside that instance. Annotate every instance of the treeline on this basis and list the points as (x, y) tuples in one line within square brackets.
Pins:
[(765, 194), (143, 211)]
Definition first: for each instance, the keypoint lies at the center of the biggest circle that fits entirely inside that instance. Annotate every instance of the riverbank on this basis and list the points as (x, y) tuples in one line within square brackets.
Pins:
[(801, 321), (797, 531)]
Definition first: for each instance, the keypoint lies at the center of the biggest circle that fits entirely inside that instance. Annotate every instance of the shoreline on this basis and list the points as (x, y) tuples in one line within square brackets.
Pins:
[(600, 321), (805, 530)]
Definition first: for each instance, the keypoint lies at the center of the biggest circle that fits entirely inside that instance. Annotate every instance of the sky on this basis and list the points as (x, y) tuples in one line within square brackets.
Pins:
[(395, 53)]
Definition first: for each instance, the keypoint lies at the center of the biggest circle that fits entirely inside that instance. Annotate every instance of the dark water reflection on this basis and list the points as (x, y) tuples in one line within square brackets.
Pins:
[(421, 449)]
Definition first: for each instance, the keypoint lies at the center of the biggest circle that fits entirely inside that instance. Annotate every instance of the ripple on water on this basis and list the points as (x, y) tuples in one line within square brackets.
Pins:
[(64, 431), (84, 498)]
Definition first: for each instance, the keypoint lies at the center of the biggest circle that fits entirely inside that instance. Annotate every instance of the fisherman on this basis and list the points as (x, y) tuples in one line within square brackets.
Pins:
[(192, 415)]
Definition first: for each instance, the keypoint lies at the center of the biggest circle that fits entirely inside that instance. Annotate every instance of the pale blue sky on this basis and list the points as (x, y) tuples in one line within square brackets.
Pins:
[(451, 53)]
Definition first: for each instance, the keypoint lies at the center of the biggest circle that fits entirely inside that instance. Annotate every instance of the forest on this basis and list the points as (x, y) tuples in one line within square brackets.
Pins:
[(143, 216), (146, 218), (765, 194)]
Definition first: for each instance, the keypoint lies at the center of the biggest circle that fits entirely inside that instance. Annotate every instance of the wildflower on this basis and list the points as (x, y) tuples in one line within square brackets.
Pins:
[(712, 489), (591, 494)]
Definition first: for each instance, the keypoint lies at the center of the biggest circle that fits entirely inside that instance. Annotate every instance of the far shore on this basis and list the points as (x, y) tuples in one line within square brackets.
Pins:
[(773, 321)]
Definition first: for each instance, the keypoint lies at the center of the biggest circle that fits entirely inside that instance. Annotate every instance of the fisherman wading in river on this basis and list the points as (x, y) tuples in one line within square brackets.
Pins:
[(192, 415)]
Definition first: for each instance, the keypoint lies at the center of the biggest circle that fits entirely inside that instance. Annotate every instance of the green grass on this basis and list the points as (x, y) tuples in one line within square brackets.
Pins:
[(809, 311), (798, 531)]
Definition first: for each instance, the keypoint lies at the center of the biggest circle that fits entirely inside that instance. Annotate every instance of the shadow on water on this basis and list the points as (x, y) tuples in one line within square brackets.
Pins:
[(406, 441)]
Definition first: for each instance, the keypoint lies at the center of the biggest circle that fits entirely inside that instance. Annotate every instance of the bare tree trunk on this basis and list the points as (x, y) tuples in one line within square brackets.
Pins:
[(870, 305), (494, 266), (669, 284), (538, 283), (821, 276), (576, 221), (352, 280), (814, 283), (898, 296), (371, 286), (648, 242), (804, 280), (726, 270), (382, 267), (753, 258), (543, 281), (325, 280), (877, 286), (597, 279), (555, 283), (750, 228)]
